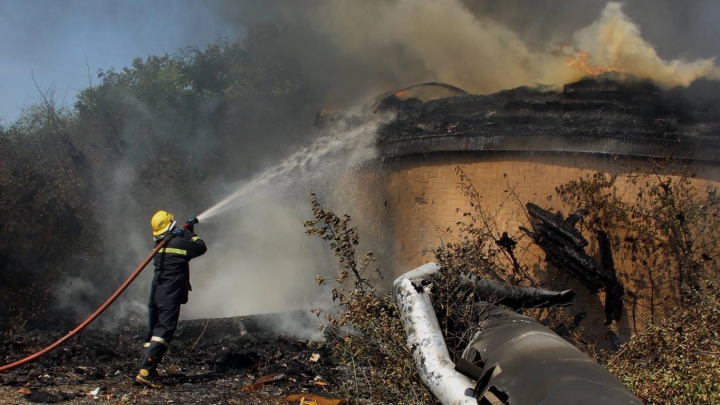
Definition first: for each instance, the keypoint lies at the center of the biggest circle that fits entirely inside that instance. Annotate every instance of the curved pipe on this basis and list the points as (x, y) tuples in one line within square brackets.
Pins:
[(373, 104), (426, 341), (512, 356), (95, 314)]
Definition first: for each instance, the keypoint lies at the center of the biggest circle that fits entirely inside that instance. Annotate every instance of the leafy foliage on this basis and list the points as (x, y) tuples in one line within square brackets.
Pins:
[(144, 137), (366, 334), (44, 181), (677, 360), (667, 229), (673, 360)]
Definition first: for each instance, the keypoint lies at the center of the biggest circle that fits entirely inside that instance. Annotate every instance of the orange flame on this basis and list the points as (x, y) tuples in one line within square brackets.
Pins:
[(579, 61)]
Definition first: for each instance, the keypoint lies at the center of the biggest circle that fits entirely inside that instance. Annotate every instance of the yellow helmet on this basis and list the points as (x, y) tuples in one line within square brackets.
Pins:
[(161, 222)]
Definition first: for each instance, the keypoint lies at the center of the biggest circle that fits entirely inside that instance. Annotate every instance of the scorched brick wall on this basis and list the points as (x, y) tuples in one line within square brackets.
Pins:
[(403, 207)]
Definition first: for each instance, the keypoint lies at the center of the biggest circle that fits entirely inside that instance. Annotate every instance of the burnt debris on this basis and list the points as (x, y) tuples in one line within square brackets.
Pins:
[(210, 361), (511, 359), (609, 114), (515, 297), (564, 247)]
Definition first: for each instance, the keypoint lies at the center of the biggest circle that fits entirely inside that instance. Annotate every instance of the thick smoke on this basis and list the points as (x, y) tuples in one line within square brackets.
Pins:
[(452, 44), (676, 29), (487, 46), (259, 260), (616, 41)]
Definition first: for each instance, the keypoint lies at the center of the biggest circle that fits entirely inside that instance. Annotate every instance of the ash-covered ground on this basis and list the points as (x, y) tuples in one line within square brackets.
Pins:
[(213, 361)]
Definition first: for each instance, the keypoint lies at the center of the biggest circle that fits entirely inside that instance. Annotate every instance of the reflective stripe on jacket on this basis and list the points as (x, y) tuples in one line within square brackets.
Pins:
[(171, 282)]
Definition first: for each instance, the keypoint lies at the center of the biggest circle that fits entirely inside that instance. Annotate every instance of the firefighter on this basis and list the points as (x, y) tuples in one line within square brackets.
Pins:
[(169, 289)]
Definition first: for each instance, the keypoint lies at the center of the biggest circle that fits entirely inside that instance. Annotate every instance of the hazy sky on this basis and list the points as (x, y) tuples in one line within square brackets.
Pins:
[(51, 39)]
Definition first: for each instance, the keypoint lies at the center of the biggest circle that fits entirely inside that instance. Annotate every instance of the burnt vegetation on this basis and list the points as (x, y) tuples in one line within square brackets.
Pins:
[(75, 178), (169, 125), (211, 361), (668, 231)]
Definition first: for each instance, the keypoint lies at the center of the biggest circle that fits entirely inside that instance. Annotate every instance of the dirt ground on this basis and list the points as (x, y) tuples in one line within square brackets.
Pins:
[(210, 362)]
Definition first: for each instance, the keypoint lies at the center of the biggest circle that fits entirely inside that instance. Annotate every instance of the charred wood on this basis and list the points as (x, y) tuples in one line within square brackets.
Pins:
[(564, 248), (515, 297), (604, 115), (556, 227)]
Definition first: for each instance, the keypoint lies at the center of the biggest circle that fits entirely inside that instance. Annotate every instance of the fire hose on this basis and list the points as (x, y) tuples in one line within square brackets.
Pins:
[(97, 312)]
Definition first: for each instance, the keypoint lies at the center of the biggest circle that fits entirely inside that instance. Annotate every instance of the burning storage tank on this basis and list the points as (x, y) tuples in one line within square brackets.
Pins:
[(521, 144)]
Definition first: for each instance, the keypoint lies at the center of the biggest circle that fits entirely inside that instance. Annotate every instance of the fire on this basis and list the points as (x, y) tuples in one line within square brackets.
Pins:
[(580, 61), (399, 94)]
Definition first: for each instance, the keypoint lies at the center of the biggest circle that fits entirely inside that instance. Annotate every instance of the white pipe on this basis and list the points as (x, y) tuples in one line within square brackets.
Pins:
[(426, 341)]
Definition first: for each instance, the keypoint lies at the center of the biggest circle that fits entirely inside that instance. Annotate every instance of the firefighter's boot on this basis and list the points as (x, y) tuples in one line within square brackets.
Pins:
[(148, 375)]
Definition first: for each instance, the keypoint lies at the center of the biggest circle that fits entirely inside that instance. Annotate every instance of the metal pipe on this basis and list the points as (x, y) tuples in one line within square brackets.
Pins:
[(425, 338), (525, 363), (513, 357)]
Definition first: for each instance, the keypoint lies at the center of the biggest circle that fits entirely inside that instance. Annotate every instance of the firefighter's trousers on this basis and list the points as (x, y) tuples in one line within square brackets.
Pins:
[(163, 322)]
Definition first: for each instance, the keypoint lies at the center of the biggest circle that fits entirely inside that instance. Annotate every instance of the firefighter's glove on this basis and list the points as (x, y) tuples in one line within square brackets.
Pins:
[(190, 224), (179, 232)]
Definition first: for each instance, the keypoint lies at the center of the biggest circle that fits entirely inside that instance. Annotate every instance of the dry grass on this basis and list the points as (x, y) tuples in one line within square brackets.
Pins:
[(678, 360), (675, 360)]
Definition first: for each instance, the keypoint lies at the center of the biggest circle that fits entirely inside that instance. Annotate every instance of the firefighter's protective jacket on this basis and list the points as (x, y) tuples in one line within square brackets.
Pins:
[(172, 270)]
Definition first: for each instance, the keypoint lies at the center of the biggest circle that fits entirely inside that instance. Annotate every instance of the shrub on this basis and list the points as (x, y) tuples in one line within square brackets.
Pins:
[(668, 229), (676, 361), (665, 228), (366, 334)]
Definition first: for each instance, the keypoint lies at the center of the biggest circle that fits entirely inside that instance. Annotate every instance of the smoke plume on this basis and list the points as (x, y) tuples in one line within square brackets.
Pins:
[(616, 41), (260, 260), (349, 51), (483, 46)]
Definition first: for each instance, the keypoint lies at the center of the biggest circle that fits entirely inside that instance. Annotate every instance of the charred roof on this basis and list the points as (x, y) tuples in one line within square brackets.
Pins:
[(607, 114)]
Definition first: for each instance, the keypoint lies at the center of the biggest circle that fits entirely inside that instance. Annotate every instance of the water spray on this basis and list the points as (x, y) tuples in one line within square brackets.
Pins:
[(341, 148)]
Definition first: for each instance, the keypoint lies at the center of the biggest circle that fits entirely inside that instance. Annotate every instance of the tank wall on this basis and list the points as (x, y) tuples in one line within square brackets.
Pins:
[(403, 208)]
